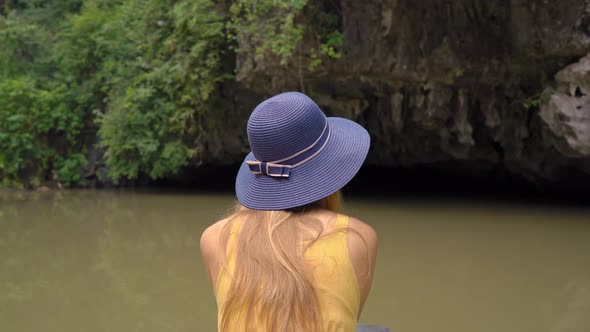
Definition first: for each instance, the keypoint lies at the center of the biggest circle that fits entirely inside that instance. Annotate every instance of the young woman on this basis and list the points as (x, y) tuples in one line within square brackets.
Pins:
[(285, 259)]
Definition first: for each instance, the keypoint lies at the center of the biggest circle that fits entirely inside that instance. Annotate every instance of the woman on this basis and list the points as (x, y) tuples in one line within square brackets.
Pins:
[(285, 259)]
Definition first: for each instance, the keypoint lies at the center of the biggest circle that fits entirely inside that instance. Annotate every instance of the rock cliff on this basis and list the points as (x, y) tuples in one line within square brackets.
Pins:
[(484, 87)]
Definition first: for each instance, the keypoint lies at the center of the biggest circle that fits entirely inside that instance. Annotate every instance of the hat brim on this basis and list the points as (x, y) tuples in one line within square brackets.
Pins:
[(321, 176)]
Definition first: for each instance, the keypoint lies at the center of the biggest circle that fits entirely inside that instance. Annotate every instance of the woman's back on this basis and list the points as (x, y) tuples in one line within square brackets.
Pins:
[(340, 265), (290, 262)]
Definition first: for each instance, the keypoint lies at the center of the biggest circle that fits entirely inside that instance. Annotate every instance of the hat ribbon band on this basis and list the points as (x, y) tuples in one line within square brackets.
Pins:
[(282, 167)]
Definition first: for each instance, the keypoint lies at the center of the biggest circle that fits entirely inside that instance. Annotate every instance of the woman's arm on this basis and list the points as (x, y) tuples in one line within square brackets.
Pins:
[(362, 245)]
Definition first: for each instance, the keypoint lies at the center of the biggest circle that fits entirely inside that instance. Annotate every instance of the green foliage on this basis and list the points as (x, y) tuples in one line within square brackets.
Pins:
[(163, 71), (25, 117), (30, 117), (269, 30), (266, 28), (329, 48), (37, 126), (24, 44), (145, 70), (536, 101), (144, 74), (68, 169), (333, 42)]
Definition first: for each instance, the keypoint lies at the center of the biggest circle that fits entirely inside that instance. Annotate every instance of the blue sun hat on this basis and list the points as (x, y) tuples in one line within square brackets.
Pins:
[(298, 154)]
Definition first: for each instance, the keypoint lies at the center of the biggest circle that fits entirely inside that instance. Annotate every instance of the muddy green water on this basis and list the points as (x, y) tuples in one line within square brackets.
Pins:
[(129, 261)]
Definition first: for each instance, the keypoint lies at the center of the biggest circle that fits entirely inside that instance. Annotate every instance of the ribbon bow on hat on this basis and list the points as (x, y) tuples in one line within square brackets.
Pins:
[(270, 169)]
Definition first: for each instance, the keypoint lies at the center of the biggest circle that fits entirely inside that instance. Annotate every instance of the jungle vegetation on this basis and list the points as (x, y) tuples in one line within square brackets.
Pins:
[(141, 74)]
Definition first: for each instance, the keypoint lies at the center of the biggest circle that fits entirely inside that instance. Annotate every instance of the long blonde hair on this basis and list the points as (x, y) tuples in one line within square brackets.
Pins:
[(271, 286)]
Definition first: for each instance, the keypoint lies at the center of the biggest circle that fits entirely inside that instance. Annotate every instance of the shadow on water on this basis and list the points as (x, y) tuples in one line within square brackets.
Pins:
[(413, 184)]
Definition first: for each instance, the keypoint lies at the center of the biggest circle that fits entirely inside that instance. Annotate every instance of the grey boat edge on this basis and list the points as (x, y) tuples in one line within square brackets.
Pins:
[(371, 328)]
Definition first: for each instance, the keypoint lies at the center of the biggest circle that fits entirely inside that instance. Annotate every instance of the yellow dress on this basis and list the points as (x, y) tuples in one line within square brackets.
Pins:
[(333, 277)]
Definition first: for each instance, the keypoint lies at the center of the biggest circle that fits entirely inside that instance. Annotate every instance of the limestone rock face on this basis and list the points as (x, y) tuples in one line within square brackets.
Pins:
[(566, 115), (481, 85)]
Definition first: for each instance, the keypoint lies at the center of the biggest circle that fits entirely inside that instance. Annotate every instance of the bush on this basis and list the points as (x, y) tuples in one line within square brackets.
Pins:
[(144, 74), (161, 86)]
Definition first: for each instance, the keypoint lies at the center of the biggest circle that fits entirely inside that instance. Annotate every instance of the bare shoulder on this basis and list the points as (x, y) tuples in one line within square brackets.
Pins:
[(214, 229), (210, 236), (362, 242), (366, 234), (210, 249)]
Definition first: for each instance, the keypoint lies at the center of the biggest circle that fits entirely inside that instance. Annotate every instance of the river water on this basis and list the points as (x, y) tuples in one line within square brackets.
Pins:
[(129, 261)]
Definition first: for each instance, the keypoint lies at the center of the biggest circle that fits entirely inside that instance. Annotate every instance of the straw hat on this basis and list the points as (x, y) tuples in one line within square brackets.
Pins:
[(298, 154)]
